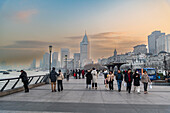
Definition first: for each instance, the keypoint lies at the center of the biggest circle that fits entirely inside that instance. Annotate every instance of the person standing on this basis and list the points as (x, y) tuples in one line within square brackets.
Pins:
[(119, 78), (60, 78), (136, 78), (94, 78), (24, 78), (83, 73), (145, 79), (68, 74), (79, 74), (76, 73), (53, 79), (128, 79), (110, 78), (88, 79)]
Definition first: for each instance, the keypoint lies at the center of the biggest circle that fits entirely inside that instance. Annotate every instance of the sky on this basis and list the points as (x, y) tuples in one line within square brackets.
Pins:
[(28, 27)]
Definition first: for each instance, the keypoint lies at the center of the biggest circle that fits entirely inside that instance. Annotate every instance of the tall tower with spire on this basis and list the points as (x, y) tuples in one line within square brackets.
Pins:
[(115, 53), (84, 51)]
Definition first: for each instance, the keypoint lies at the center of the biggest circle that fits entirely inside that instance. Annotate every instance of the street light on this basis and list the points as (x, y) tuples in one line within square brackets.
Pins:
[(66, 61), (50, 49)]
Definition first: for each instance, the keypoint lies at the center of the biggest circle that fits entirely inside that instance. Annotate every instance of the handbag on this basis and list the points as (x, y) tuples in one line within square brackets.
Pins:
[(150, 85)]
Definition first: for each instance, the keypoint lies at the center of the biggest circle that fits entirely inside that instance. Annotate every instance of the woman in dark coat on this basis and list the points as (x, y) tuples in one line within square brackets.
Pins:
[(88, 79), (136, 78)]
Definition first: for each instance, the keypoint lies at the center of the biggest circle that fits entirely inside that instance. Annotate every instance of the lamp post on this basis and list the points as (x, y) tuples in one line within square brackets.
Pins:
[(50, 50), (66, 61)]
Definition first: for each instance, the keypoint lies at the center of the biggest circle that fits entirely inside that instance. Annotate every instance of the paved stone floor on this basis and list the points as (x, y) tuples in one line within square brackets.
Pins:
[(76, 98)]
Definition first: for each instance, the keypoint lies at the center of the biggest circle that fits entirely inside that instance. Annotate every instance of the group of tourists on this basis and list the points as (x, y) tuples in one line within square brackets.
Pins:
[(92, 76), (127, 76)]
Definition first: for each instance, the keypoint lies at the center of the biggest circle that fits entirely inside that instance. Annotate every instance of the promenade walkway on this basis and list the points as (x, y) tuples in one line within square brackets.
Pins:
[(76, 98)]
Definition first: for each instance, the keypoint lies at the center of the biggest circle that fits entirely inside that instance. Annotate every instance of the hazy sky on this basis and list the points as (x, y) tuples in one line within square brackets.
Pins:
[(27, 27)]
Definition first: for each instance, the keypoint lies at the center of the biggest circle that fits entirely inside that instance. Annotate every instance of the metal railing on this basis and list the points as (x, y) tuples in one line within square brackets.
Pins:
[(31, 80)]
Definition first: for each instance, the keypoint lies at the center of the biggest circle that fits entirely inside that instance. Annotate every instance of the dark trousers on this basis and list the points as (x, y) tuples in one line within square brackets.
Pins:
[(94, 84), (145, 86), (68, 77), (60, 85), (111, 85), (26, 86), (129, 85), (119, 83)]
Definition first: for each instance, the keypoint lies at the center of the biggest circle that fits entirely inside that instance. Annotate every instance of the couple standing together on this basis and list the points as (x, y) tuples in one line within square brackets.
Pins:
[(56, 76), (91, 76)]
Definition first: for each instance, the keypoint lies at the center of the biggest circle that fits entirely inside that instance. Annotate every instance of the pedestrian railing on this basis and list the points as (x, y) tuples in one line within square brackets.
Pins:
[(12, 83)]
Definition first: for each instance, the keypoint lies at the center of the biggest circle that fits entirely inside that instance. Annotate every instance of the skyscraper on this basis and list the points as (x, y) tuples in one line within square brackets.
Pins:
[(33, 65), (163, 43), (76, 60), (55, 59), (152, 41), (46, 61), (64, 51), (84, 51)]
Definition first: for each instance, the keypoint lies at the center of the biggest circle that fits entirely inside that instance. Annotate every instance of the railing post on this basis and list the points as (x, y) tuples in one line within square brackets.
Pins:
[(30, 80), (46, 79), (38, 79), (15, 84), (5, 85)]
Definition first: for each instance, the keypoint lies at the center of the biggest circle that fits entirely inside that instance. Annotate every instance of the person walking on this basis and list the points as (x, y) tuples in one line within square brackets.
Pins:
[(53, 79), (145, 79), (88, 79), (110, 78), (128, 79), (79, 74), (94, 78), (60, 77), (136, 82), (68, 74), (119, 78), (76, 73), (83, 72), (24, 78)]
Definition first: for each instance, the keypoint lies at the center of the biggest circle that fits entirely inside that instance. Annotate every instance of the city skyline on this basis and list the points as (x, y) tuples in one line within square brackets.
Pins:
[(28, 27)]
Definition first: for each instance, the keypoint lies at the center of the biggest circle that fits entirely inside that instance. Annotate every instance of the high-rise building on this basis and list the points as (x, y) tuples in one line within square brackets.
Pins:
[(33, 65), (84, 51), (140, 49), (152, 41), (41, 64), (55, 59), (163, 43), (76, 60), (46, 61), (64, 51)]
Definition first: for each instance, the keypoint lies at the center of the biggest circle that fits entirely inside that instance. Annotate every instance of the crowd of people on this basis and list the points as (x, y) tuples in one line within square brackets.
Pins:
[(127, 76), (91, 79)]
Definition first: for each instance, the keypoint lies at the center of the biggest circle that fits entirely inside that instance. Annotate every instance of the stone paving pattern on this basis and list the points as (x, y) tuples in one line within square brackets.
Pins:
[(76, 98)]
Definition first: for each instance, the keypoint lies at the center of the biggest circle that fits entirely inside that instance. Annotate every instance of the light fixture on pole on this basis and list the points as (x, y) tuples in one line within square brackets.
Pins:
[(50, 50)]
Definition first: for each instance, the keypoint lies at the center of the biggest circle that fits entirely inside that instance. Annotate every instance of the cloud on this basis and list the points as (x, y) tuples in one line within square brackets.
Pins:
[(26, 15), (102, 44)]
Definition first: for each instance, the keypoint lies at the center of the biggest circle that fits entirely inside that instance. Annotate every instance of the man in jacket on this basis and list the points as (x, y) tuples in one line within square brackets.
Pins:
[(128, 80), (24, 78), (53, 79), (119, 78)]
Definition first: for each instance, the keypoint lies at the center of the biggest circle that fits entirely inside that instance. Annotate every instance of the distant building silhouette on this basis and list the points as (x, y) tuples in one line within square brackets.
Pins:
[(64, 51), (84, 51)]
